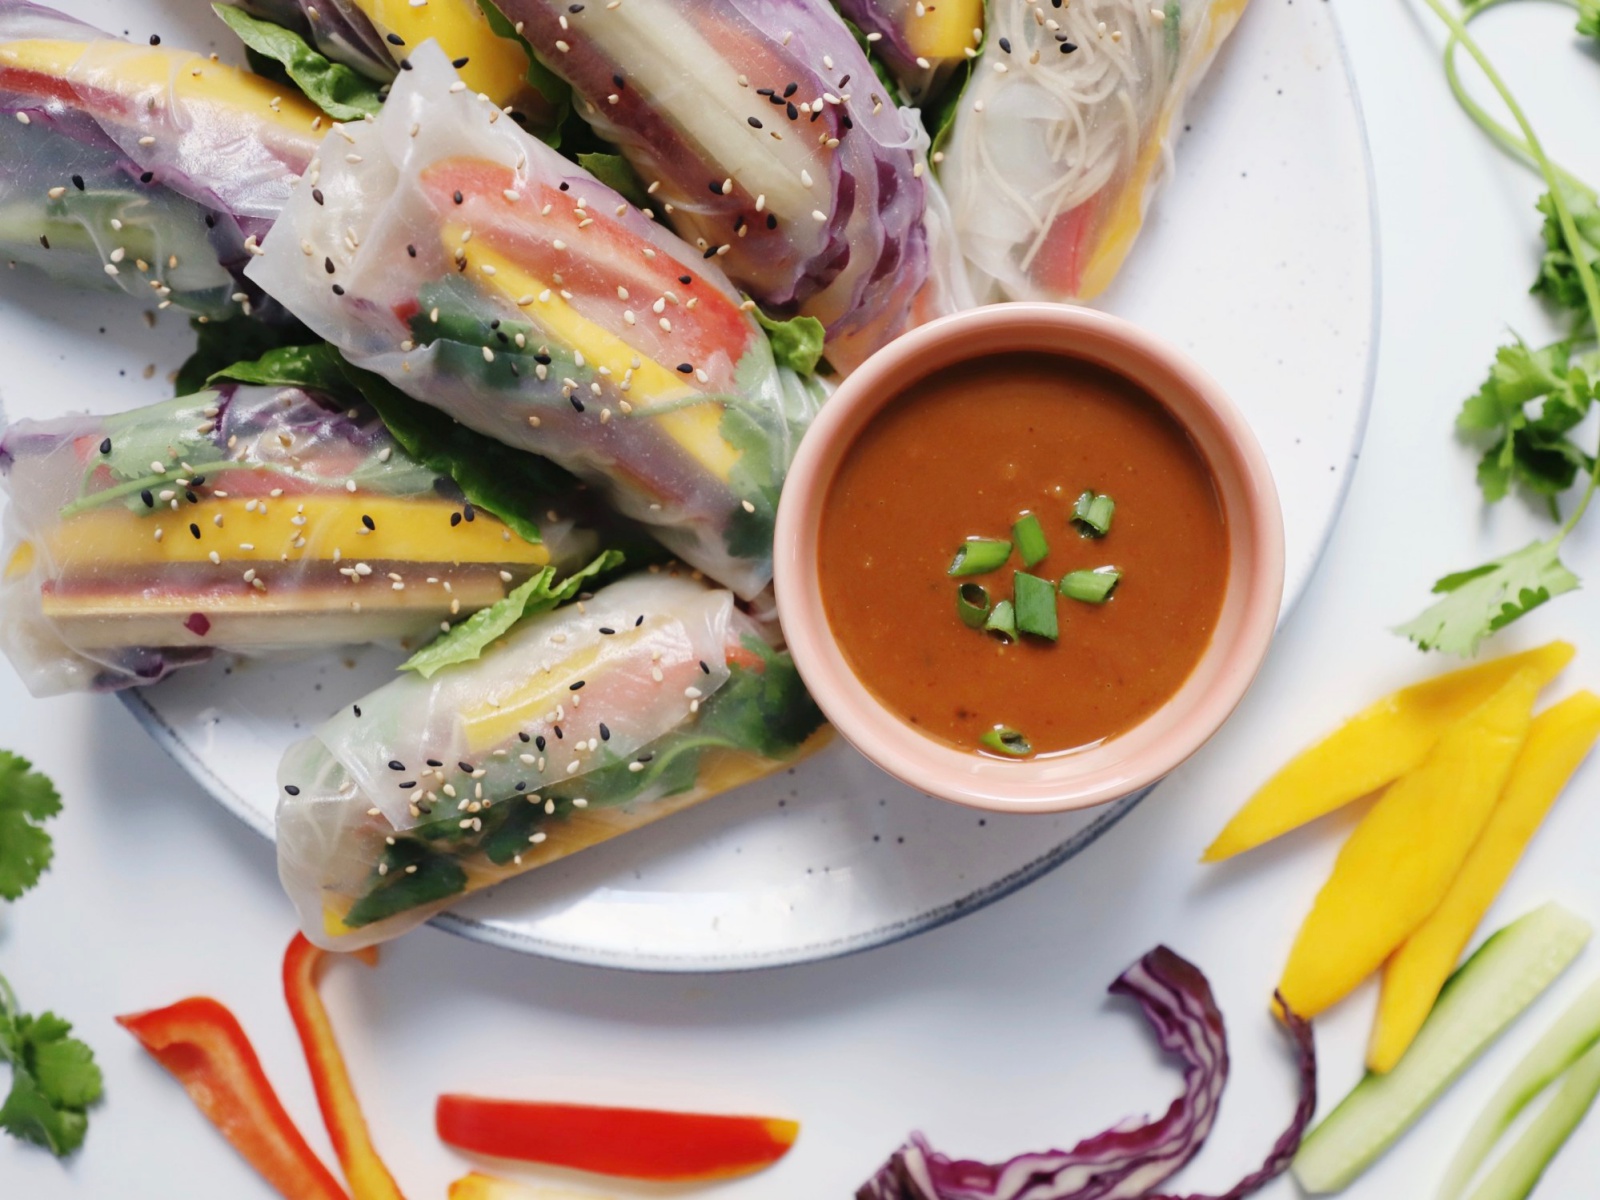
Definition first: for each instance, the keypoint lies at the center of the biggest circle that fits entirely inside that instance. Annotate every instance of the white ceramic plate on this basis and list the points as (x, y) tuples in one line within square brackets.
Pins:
[(1259, 259)]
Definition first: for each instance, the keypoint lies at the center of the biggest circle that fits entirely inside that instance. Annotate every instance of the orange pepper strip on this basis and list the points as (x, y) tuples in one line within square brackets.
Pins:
[(203, 1045), (633, 1143), (489, 1187), (369, 1179)]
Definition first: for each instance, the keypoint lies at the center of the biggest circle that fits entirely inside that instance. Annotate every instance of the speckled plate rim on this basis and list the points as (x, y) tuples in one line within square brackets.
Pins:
[(480, 931)]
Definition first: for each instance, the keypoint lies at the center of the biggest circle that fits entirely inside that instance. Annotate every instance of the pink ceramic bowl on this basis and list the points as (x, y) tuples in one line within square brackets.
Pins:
[(1172, 733)]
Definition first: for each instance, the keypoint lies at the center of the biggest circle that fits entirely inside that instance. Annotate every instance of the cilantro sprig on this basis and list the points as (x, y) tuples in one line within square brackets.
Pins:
[(27, 801), (54, 1078), (1532, 399)]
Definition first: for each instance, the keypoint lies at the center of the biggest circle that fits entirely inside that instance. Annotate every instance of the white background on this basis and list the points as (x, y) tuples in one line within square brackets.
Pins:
[(990, 1034)]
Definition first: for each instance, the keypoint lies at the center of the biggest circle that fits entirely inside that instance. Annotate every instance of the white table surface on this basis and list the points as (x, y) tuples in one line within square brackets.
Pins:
[(991, 1034)]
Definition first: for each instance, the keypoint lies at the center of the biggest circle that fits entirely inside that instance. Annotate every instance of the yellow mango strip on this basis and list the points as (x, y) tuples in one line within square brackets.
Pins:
[(695, 427), (1374, 748), (495, 66), (1403, 857), (404, 530), (1558, 741), (489, 1187), (945, 29), (496, 721)]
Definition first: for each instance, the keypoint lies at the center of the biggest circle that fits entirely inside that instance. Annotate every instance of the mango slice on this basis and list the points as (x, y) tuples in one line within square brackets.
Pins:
[(1403, 857), (1558, 740), (1374, 748), (944, 30)]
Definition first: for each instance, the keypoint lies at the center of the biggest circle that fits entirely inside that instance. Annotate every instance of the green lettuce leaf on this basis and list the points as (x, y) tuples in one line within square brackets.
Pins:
[(468, 640), (614, 171), (54, 1078), (221, 343), (344, 94), (27, 800), (1477, 602), (796, 343)]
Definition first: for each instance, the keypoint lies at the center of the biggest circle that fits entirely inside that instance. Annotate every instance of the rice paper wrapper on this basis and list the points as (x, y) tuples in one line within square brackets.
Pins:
[(762, 128), (581, 724), (248, 520), (482, 273), (921, 43), (1054, 160)]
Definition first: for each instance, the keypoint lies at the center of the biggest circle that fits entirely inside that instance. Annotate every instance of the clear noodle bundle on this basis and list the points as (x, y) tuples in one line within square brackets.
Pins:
[(252, 520), (482, 273), (580, 724), (1054, 160), (140, 167), (760, 126)]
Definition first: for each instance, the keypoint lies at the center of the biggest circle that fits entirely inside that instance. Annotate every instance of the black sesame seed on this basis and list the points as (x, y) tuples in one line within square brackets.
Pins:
[(316, 194), (291, 789), (1005, 44), (434, 762), (606, 631), (753, 122), (211, 221), (686, 280), (327, 265), (77, 182), (455, 519), (405, 64), (356, 708), (792, 111), (1068, 47), (149, 500), (155, 39), (576, 687), (565, 186), (710, 252), (338, 290), (686, 368), (469, 512), (194, 531), (522, 735), (466, 766), (768, 92), (790, 90), (556, 729), (605, 734), (410, 783), (844, 81), (618, 81), (704, 669), (539, 741), (396, 765), (716, 187), (458, 63), (394, 39), (522, 785), (189, 495), (458, 197), (368, 522), (638, 621), (198, 480), (146, 176), (772, 221), (542, 358), (105, 446), (644, 758), (576, 403), (412, 251)]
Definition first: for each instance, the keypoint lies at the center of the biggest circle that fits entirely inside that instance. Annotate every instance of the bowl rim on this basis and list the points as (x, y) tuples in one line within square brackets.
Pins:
[(1173, 732)]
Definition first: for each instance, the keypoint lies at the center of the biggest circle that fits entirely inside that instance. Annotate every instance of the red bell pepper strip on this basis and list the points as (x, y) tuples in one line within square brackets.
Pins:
[(635, 1143), (202, 1044), (368, 1177)]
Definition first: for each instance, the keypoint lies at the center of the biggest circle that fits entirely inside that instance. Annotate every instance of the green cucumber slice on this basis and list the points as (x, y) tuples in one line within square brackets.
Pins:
[(1572, 1036), (1485, 995), (1517, 1174)]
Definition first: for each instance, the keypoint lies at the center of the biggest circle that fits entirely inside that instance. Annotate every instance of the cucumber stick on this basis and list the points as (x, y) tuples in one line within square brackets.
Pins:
[(1516, 1175), (1575, 1032), (1486, 994)]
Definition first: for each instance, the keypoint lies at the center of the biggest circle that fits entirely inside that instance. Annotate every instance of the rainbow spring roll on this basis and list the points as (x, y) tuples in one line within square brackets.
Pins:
[(1053, 161), (920, 42), (244, 519), (581, 724), (760, 126), (155, 169), (374, 37), (482, 273)]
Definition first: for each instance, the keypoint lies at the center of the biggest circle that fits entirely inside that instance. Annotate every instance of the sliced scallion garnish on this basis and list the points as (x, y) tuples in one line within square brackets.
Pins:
[(1093, 513), (979, 556), (1035, 601), (1002, 739), (1092, 587), (972, 605), (1002, 620), (1029, 536)]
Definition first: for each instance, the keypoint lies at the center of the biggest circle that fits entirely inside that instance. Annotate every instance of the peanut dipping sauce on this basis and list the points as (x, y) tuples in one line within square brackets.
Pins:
[(963, 454)]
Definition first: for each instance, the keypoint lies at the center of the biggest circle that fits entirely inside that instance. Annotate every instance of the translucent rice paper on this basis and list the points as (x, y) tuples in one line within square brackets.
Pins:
[(1054, 160), (581, 724), (921, 43), (233, 520), (445, 249), (821, 207), (160, 154)]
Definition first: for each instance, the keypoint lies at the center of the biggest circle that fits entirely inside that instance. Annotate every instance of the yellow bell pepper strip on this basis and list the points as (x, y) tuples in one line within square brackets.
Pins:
[(632, 1143), (1374, 748), (201, 1043), (368, 1177), (477, 1186), (1558, 741), (1401, 860)]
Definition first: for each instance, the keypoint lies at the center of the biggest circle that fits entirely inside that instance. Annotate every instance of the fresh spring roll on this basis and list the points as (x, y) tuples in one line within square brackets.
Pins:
[(253, 520), (375, 36), (581, 724), (1053, 161), (147, 168), (921, 43), (761, 127), (484, 274)]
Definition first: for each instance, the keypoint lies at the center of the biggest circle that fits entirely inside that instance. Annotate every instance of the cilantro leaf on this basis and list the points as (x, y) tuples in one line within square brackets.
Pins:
[(1530, 402), (468, 640), (796, 343), (1479, 601), (1589, 18), (54, 1078), (27, 800), (1557, 280), (344, 94)]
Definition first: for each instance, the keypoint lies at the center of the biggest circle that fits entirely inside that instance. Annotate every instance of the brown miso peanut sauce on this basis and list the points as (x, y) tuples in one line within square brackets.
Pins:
[(962, 454)]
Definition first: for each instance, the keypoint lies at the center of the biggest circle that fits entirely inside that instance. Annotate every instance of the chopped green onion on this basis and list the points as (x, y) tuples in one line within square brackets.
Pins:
[(979, 556), (1002, 620), (972, 605), (1029, 536), (1092, 587), (1036, 605), (1002, 739), (1093, 514)]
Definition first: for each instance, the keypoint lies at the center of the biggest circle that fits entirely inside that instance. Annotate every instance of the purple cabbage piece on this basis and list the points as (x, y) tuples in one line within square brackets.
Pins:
[(1126, 1162), (762, 128), (340, 31)]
